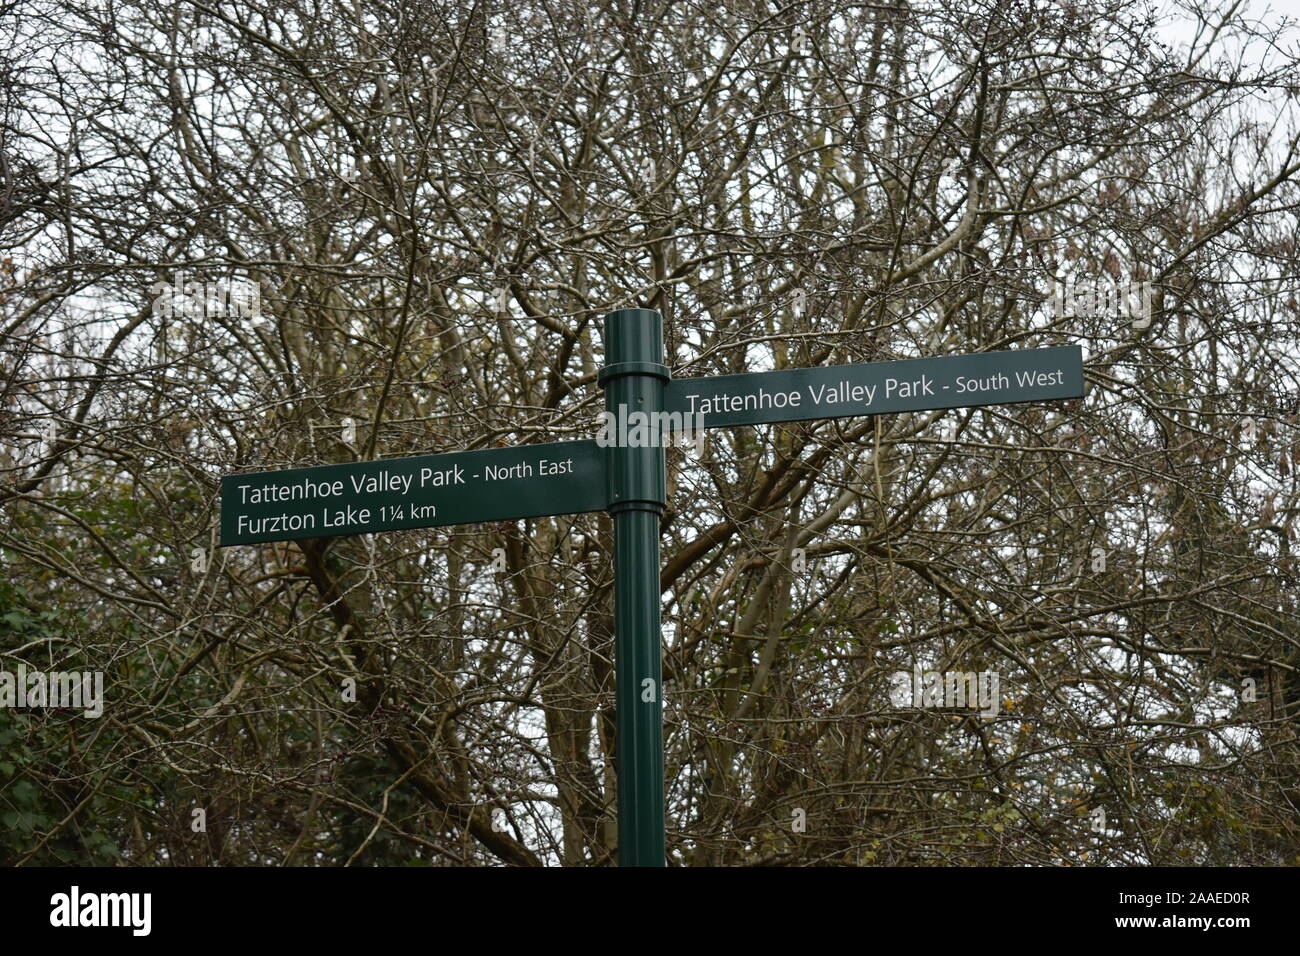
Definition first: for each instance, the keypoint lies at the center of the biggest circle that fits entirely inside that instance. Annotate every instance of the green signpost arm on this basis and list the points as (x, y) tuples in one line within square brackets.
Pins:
[(634, 379)]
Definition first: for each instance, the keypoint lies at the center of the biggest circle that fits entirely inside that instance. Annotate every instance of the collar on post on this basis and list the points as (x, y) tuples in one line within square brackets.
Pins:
[(608, 372)]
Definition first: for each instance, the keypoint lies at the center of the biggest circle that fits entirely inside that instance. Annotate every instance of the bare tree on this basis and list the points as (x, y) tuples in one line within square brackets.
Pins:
[(266, 235)]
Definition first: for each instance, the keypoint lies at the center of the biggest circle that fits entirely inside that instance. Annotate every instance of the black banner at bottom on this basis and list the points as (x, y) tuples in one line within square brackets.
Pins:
[(336, 907)]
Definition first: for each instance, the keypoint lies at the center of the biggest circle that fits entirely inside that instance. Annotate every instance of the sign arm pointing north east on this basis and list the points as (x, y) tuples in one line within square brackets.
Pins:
[(627, 479), (426, 491)]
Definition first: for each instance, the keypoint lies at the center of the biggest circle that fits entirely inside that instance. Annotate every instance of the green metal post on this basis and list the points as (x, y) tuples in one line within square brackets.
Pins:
[(633, 379)]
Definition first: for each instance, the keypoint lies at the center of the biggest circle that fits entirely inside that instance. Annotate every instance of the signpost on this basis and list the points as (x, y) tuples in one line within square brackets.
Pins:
[(634, 379), (529, 481)]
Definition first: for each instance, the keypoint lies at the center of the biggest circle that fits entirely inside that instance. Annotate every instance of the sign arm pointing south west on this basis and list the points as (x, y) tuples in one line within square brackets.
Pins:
[(904, 385)]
